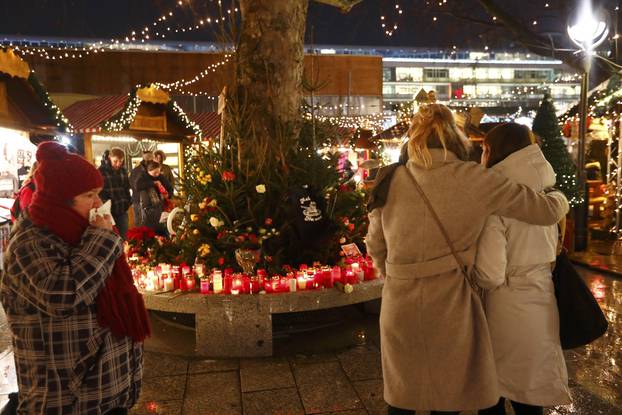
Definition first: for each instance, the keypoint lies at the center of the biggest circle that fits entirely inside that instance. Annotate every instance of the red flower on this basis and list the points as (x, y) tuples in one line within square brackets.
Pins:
[(268, 258), (220, 235), (268, 221), (221, 261), (228, 176), (350, 227), (252, 238), (140, 233)]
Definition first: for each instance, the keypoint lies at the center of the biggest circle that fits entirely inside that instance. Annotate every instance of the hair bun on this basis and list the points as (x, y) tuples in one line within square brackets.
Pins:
[(51, 150)]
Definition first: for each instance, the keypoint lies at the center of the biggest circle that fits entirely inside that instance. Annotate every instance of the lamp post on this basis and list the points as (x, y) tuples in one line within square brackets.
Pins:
[(587, 33)]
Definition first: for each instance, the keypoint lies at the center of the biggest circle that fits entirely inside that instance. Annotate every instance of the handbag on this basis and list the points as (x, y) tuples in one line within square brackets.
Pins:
[(581, 321), (463, 266)]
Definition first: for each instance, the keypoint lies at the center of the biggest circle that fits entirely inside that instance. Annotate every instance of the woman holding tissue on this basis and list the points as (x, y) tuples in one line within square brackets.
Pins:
[(77, 321)]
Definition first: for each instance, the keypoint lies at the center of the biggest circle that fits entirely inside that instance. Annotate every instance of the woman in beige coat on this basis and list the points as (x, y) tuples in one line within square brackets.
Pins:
[(514, 264), (436, 351)]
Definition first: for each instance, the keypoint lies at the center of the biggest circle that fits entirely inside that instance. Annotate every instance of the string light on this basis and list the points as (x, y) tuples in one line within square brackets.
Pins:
[(61, 52), (179, 84), (384, 22)]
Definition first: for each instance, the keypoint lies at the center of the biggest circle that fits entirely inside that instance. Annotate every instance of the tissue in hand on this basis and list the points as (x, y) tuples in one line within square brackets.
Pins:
[(101, 211)]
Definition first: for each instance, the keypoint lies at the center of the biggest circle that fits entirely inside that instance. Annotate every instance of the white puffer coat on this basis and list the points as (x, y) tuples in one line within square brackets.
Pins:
[(514, 263)]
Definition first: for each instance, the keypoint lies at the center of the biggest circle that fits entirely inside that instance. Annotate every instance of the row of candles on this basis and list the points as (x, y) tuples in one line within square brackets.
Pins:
[(166, 277)]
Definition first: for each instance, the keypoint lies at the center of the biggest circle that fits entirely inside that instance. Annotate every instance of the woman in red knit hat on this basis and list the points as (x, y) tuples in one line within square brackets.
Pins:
[(77, 320)]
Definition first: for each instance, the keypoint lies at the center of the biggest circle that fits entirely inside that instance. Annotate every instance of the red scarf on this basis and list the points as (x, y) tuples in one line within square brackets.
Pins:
[(120, 306)]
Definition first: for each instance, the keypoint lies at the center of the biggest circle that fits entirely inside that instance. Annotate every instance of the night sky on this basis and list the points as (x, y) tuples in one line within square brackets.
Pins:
[(416, 25)]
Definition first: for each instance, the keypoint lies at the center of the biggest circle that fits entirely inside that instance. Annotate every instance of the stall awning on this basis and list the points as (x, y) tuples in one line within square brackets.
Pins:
[(392, 133), (87, 116), (209, 123)]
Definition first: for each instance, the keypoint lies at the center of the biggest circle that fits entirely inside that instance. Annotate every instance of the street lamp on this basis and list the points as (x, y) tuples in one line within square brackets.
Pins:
[(587, 33)]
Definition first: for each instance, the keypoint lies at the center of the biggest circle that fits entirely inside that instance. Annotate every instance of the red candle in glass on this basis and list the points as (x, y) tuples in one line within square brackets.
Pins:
[(275, 282), (336, 273), (327, 277), (205, 286), (236, 284), (246, 284), (350, 277), (255, 284), (190, 282), (227, 283)]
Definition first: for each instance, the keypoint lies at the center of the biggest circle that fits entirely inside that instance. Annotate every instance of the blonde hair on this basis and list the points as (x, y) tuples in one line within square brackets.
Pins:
[(433, 126)]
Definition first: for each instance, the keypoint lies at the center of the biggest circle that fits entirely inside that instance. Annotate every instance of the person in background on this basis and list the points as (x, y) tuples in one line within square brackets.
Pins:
[(513, 264), (24, 194), (166, 170), (78, 322), (136, 173), (436, 350), (152, 189), (116, 187)]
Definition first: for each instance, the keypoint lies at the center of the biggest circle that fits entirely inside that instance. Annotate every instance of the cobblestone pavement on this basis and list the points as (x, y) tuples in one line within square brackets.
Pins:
[(337, 371)]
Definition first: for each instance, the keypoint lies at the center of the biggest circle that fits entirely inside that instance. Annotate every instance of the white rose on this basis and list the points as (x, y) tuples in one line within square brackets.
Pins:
[(348, 288), (261, 188), (215, 222)]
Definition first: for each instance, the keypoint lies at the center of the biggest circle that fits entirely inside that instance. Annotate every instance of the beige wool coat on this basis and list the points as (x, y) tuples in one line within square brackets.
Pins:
[(436, 349), (513, 262)]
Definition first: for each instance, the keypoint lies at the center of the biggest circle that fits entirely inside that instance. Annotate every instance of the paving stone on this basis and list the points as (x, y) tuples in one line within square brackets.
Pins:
[(162, 389), (160, 408), (324, 387), (370, 392), (585, 403), (277, 401), (216, 393), (361, 363), (304, 359), (160, 364), (211, 365), (263, 374)]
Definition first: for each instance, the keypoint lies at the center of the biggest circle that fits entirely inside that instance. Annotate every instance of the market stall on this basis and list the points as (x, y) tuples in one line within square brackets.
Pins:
[(27, 116), (145, 119)]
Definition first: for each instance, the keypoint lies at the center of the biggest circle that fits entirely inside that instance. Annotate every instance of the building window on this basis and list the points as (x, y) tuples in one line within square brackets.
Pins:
[(388, 74), (408, 74), (435, 73), (531, 75)]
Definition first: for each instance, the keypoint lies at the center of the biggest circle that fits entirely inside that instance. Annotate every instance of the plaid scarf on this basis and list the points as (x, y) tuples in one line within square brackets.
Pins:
[(120, 306)]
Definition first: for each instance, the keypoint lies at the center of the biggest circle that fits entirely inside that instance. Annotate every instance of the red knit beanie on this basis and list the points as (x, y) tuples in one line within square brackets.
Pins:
[(62, 175)]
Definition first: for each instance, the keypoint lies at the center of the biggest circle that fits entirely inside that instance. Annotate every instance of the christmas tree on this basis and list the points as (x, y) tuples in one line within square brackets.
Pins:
[(281, 198), (546, 126)]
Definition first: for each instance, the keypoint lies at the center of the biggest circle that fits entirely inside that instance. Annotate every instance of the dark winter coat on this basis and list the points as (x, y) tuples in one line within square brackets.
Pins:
[(116, 189), (150, 201)]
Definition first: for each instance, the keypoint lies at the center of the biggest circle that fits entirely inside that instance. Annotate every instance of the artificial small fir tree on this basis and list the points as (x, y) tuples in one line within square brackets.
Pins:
[(546, 126)]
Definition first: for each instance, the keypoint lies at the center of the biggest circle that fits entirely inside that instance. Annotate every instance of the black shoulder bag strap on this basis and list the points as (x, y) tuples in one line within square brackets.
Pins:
[(459, 260)]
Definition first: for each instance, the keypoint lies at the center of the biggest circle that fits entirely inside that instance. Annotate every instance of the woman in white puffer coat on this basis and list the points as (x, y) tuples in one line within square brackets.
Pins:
[(513, 264)]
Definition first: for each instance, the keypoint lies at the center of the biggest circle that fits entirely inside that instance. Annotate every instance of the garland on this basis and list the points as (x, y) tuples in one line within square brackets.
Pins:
[(53, 110), (125, 117)]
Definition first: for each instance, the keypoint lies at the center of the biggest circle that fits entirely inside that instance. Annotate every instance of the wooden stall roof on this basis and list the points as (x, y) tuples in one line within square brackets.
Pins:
[(24, 103), (208, 122), (91, 116), (392, 133), (86, 116)]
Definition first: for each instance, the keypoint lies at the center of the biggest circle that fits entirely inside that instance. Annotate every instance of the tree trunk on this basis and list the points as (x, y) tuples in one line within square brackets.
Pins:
[(270, 63)]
